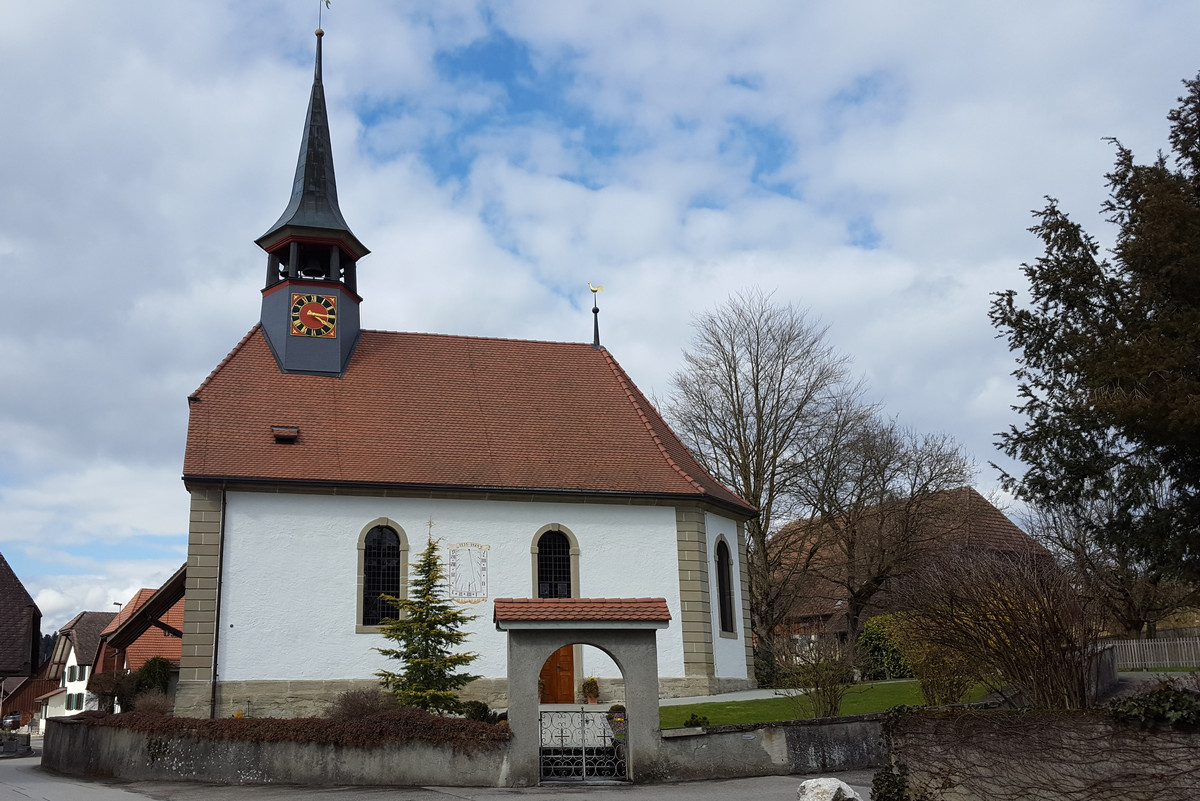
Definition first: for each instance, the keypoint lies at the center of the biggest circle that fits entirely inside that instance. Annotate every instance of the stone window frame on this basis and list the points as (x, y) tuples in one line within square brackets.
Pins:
[(387, 522), (574, 555), (726, 609)]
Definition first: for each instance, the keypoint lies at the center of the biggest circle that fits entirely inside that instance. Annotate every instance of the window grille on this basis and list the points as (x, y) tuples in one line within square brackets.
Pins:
[(381, 574), (554, 565)]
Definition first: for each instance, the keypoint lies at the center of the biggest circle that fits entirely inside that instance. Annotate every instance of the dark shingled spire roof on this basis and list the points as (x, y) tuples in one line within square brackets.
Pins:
[(313, 208)]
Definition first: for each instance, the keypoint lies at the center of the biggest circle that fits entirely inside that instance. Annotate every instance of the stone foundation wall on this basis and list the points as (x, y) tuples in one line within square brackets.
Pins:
[(298, 699)]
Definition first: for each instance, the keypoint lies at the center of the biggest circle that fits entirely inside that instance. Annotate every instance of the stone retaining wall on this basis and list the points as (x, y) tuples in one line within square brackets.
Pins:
[(996, 755), (720, 752), (771, 749), (80, 750)]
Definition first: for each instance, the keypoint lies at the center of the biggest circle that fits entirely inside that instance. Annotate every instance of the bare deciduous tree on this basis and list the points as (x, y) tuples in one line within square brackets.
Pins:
[(759, 383), (879, 498), (1134, 592)]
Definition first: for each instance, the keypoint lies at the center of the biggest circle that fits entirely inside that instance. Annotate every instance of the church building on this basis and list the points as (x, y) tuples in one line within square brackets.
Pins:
[(321, 456)]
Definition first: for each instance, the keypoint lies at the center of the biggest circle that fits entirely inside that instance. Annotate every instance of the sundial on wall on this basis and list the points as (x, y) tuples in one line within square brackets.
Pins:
[(467, 569)]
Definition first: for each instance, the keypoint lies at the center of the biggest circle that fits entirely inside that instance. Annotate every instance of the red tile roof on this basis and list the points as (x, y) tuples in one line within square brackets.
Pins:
[(433, 411), (579, 610), (957, 518), (135, 603)]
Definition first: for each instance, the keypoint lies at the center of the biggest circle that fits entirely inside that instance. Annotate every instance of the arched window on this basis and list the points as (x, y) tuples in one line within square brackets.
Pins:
[(554, 565), (725, 588), (382, 573)]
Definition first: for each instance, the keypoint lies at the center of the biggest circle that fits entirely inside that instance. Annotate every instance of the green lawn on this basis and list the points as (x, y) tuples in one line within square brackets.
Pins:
[(867, 697)]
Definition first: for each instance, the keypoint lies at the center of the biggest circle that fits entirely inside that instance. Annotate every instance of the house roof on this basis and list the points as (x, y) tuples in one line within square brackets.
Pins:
[(149, 625), (20, 625), (958, 518), (430, 411), (515, 611), (127, 610), (82, 633), (162, 606)]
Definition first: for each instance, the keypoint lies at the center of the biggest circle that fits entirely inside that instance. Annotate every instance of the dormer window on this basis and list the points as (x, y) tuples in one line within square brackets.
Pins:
[(285, 435)]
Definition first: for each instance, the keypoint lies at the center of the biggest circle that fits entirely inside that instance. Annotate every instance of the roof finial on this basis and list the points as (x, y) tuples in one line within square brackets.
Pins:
[(595, 314), (319, 10)]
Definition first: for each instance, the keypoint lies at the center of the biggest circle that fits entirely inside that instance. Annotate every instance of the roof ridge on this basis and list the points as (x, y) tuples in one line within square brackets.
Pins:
[(516, 340), (630, 389), (229, 356)]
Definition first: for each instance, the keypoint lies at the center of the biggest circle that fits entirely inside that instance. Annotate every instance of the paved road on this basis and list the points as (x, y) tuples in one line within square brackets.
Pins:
[(22, 779)]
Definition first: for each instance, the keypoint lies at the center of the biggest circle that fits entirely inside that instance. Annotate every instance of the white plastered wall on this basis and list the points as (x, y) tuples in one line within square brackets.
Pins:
[(729, 653), (288, 597)]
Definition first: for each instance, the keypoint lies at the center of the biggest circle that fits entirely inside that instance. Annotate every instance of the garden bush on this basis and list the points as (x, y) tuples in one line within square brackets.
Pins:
[(358, 704), (879, 656), (402, 725)]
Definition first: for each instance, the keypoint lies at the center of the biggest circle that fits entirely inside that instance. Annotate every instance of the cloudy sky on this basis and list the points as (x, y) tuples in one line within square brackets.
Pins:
[(873, 162)]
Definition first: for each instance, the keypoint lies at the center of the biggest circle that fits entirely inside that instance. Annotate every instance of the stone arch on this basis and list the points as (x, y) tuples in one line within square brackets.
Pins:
[(631, 642), (574, 554), (385, 522)]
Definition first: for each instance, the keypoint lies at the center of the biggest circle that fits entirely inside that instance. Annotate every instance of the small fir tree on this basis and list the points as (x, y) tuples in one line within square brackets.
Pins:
[(427, 629)]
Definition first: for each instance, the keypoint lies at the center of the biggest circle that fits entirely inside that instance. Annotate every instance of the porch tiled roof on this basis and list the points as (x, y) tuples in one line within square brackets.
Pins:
[(580, 610)]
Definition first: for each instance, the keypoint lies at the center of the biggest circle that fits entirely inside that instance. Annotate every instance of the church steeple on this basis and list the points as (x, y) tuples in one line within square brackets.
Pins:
[(311, 251), (312, 215)]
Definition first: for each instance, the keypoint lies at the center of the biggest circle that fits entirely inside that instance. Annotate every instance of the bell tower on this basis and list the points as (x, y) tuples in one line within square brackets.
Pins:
[(310, 300)]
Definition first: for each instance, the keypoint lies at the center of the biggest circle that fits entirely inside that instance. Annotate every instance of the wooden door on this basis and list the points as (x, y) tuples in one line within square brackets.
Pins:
[(558, 675)]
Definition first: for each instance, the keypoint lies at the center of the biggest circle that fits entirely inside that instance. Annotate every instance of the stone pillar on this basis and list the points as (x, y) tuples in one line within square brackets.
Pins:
[(695, 605), (194, 694)]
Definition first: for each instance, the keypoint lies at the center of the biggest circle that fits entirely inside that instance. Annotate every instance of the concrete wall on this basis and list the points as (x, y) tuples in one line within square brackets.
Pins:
[(682, 755), (81, 750), (797, 747)]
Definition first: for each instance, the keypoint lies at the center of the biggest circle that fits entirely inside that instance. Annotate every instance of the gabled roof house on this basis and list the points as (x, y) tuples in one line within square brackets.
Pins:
[(959, 518)]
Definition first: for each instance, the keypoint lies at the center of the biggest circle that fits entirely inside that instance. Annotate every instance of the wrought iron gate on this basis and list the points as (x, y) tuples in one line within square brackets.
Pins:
[(582, 746)]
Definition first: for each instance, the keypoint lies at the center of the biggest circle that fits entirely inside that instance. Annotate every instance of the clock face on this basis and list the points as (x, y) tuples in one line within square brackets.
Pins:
[(314, 315)]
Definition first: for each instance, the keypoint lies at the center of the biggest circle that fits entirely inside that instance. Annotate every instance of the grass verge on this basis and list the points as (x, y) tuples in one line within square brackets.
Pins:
[(876, 696)]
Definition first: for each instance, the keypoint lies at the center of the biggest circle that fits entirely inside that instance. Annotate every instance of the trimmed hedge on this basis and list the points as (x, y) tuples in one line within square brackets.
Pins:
[(404, 725)]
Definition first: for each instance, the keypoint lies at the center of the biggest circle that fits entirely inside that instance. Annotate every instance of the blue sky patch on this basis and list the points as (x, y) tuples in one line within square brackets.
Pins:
[(863, 233)]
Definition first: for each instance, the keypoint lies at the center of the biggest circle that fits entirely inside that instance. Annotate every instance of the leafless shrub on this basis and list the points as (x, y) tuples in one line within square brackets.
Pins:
[(821, 674), (154, 702), (113, 688), (1019, 616), (361, 703)]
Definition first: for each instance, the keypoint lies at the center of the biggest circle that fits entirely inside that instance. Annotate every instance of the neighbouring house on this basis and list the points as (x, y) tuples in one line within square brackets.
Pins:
[(71, 662), (24, 698), (959, 518), (20, 626), (149, 625), (321, 456)]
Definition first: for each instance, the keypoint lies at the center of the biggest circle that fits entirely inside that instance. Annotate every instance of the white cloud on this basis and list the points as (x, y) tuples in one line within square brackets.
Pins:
[(146, 150)]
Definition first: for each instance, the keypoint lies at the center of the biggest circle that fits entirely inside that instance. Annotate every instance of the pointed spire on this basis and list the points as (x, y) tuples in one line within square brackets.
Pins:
[(313, 209), (595, 314)]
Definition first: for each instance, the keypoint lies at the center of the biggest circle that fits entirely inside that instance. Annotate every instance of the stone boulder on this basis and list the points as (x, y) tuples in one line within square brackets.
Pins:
[(826, 790)]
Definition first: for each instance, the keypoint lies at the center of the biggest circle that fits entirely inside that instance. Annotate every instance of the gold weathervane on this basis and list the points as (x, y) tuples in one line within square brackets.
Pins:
[(595, 289)]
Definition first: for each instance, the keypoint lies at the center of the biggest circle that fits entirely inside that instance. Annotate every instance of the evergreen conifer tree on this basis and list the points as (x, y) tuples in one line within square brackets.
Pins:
[(426, 631)]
